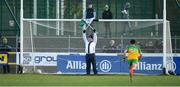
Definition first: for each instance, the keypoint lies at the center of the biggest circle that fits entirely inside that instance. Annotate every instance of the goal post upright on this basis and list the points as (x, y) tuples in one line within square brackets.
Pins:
[(21, 32), (164, 37)]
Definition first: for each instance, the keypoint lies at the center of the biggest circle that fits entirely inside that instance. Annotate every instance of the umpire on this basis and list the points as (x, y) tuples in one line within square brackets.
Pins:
[(90, 44)]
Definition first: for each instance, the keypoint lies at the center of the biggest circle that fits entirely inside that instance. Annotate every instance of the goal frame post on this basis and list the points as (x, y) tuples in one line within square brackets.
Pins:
[(164, 28)]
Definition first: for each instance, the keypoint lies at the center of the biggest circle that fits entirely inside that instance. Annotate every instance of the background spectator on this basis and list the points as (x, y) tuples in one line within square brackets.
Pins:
[(90, 15), (126, 25), (5, 48), (107, 14), (111, 48)]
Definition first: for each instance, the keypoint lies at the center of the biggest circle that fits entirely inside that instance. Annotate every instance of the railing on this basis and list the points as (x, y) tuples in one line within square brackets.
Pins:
[(147, 46)]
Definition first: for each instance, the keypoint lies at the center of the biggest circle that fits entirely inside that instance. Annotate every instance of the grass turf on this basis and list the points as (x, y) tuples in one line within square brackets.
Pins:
[(84, 80)]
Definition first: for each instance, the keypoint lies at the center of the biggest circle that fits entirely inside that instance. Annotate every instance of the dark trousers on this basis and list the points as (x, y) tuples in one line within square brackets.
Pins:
[(20, 69), (6, 69), (90, 59)]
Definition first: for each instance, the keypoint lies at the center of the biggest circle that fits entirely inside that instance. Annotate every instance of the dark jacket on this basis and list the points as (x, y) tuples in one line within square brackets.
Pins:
[(5, 48), (107, 14), (89, 13)]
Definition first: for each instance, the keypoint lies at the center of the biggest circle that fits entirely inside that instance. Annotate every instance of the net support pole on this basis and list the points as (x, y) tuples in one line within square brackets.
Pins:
[(156, 28), (84, 9), (34, 26), (31, 35), (21, 32), (69, 43), (62, 17), (32, 47), (164, 37), (35, 16), (75, 26), (57, 17), (47, 15)]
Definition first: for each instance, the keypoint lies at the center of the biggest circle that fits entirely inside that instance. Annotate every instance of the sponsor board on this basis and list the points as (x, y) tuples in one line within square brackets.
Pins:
[(39, 59), (150, 65), (75, 64), (3, 58), (106, 64), (176, 64)]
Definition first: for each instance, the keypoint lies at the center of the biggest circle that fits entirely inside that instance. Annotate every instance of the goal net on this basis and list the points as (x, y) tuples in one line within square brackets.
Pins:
[(43, 39)]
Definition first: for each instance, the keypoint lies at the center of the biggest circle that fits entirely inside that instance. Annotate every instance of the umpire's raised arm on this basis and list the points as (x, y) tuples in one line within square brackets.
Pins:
[(95, 36), (84, 37)]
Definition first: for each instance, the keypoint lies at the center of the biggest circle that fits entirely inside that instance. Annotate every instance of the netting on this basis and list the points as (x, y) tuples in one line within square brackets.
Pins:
[(46, 36), (65, 36)]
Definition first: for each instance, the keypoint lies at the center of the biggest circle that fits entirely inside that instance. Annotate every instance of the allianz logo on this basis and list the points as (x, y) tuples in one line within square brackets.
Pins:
[(104, 65), (149, 66), (75, 65)]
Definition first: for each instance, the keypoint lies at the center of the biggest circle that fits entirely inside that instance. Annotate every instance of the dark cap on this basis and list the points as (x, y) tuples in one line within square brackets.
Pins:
[(132, 41)]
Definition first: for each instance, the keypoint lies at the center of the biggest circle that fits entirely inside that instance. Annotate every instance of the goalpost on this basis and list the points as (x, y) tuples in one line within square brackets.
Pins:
[(140, 30)]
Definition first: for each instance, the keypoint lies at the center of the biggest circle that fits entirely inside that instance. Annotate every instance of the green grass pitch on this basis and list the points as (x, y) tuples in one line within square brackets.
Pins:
[(84, 80)]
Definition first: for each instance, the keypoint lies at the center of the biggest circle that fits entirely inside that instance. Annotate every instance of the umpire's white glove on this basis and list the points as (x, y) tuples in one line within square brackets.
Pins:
[(124, 12), (89, 21)]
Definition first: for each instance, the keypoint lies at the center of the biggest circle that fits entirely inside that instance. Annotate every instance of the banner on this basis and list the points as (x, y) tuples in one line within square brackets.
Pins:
[(39, 59), (66, 63), (3, 58), (75, 64), (150, 65), (177, 64)]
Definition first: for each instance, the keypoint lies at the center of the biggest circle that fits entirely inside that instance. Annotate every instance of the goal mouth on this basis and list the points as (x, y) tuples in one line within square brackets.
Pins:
[(65, 36)]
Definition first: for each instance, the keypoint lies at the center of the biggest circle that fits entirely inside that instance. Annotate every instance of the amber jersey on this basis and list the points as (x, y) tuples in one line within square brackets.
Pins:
[(133, 51)]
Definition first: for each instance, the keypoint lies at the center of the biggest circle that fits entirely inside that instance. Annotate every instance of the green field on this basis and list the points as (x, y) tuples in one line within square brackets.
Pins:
[(84, 80)]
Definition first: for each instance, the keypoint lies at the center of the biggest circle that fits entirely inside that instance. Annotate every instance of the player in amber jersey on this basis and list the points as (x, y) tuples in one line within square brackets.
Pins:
[(133, 53)]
